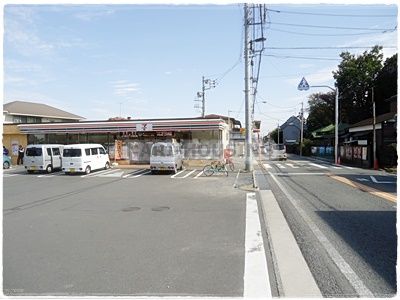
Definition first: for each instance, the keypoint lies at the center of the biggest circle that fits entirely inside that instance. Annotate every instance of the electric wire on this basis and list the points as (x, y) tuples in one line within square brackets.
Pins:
[(327, 48), (330, 15), (301, 57), (330, 34), (330, 27)]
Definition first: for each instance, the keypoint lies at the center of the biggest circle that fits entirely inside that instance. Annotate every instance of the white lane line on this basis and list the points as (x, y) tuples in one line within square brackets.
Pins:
[(256, 279), (99, 173), (198, 175), (267, 166), (136, 176), (134, 173), (337, 259), (336, 167), (188, 174), (173, 176), (115, 174), (318, 166), (350, 168), (10, 175), (292, 165), (40, 176), (294, 174), (280, 166)]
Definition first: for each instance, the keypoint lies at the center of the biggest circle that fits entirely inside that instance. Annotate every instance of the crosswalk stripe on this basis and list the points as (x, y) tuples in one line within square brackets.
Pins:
[(267, 166), (292, 165), (350, 168), (318, 166), (281, 166), (336, 167)]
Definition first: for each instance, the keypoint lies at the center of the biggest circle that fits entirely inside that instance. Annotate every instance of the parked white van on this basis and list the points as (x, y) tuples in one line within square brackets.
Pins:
[(165, 157), (84, 158), (43, 157)]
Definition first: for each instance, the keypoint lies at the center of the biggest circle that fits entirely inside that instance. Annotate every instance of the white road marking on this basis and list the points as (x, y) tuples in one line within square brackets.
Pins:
[(133, 173), (39, 176), (256, 279), (267, 166), (145, 173), (362, 179), (376, 181), (198, 175), (343, 266), (98, 173), (294, 174), (115, 174), (10, 175), (350, 168), (173, 176), (318, 166), (292, 165), (280, 166), (188, 174), (336, 167)]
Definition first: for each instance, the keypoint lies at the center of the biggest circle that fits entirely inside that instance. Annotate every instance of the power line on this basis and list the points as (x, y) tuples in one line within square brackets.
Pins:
[(330, 15), (330, 27), (301, 57), (328, 34), (326, 48)]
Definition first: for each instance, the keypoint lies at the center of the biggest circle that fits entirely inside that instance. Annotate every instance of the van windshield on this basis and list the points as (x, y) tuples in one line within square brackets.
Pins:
[(161, 150), (72, 153), (34, 151)]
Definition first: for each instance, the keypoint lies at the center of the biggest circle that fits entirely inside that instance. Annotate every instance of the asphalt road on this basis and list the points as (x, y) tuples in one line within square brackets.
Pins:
[(122, 233), (347, 235)]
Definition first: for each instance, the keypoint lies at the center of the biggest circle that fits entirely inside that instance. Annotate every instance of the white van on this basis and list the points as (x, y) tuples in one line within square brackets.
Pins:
[(43, 157), (84, 158), (165, 157), (278, 151)]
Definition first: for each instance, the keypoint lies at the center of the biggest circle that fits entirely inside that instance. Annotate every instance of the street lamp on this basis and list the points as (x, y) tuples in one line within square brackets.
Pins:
[(303, 86)]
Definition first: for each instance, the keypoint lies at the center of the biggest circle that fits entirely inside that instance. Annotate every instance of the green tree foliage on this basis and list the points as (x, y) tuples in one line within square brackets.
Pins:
[(274, 135), (386, 85), (355, 76), (321, 110)]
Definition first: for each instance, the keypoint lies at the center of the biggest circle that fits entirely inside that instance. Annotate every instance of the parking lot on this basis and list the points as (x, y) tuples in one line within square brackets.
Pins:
[(123, 232)]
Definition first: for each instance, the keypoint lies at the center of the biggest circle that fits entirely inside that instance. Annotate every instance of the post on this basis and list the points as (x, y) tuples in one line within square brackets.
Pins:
[(203, 109), (301, 137), (248, 159), (278, 133), (374, 131), (336, 124)]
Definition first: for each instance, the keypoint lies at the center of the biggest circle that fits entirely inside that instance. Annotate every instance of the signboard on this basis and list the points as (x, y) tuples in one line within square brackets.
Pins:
[(144, 127), (362, 142), (14, 147), (303, 85)]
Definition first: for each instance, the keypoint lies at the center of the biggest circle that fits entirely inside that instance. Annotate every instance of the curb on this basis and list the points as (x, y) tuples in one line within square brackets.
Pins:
[(293, 274)]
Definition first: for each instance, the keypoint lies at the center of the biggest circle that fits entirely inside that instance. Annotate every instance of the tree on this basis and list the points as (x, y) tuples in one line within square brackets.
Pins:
[(354, 77), (386, 84), (274, 135), (321, 110)]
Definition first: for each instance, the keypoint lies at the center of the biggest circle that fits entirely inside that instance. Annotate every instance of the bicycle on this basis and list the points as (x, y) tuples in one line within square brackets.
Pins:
[(215, 167), (229, 162)]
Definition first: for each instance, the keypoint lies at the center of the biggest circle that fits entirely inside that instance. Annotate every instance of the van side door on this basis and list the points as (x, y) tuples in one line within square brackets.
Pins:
[(56, 157), (95, 158)]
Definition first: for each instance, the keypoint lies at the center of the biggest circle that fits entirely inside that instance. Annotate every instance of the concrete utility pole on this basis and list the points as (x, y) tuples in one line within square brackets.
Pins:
[(302, 130), (278, 133), (248, 157), (336, 124), (374, 130)]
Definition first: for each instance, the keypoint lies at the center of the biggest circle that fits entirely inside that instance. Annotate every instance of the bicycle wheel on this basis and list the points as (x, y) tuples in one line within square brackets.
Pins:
[(226, 170), (208, 170)]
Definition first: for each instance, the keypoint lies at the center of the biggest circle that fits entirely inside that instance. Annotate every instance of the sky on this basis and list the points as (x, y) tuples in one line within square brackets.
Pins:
[(147, 61)]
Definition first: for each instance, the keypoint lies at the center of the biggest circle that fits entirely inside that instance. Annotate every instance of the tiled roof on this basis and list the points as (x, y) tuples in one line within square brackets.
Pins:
[(37, 110)]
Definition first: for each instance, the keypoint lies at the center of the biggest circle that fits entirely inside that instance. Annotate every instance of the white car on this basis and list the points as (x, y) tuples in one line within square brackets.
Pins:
[(278, 151)]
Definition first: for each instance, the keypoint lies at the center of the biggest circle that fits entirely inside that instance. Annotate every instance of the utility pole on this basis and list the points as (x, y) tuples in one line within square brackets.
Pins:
[(248, 157), (203, 108), (301, 137), (278, 133), (374, 130)]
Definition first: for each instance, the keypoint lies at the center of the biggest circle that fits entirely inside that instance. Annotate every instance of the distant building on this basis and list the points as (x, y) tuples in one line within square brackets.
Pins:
[(291, 131), (22, 112), (30, 112)]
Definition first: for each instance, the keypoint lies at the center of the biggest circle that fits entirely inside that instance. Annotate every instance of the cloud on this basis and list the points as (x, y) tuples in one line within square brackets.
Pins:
[(125, 88), (167, 72), (90, 15)]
